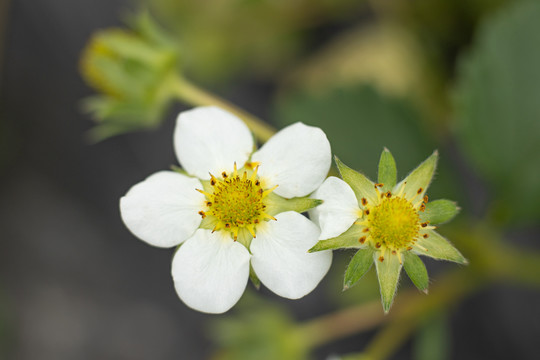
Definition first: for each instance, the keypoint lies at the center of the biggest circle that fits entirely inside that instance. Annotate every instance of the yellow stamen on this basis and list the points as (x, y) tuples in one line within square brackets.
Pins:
[(236, 201)]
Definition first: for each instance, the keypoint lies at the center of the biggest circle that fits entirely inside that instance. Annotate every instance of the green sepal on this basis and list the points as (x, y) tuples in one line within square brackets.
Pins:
[(244, 238), (359, 265), (208, 223), (254, 278), (361, 185), (421, 177), (387, 170), (349, 239), (438, 248), (439, 211), (415, 268), (388, 272), (179, 170), (276, 204), (206, 186)]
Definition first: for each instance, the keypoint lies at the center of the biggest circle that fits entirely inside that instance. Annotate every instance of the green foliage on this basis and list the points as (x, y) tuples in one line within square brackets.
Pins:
[(225, 38), (497, 108), (359, 265), (387, 170), (262, 331), (364, 291), (439, 211), (359, 121), (416, 270), (135, 71), (432, 342)]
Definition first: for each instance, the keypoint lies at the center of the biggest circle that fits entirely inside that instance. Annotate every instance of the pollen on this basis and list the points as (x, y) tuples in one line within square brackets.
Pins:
[(237, 201), (394, 223)]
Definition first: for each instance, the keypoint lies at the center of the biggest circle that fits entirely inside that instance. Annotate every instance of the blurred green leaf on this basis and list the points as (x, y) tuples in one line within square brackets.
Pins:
[(224, 38), (359, 121), (261, 331), (432, 341), (498, 110)]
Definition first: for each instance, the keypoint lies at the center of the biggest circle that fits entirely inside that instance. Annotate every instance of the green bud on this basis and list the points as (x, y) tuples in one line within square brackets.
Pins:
[(134, 71)]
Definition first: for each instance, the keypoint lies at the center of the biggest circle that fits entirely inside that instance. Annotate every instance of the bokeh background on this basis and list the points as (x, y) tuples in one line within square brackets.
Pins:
[(460, 76)]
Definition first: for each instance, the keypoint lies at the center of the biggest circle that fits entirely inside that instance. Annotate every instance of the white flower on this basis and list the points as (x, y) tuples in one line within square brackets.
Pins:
[(229, 212)]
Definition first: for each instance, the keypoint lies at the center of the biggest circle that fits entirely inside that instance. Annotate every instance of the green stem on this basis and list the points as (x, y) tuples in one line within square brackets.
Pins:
[(342, 323), (193, 95), (408, 315), (491, 260)]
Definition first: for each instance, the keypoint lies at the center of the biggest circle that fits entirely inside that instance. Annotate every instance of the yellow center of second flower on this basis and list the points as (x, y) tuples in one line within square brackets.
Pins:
[(237, 201), (393, 222)]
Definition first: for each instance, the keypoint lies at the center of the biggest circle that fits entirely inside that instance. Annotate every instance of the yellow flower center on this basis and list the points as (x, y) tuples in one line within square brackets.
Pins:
[(393, 222), (237, 201)]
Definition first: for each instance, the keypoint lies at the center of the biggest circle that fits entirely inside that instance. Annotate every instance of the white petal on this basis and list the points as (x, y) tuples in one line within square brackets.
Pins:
[(281, 259), (339, 210), (209, 139), (210, 271), (297, 159), (163, 209)]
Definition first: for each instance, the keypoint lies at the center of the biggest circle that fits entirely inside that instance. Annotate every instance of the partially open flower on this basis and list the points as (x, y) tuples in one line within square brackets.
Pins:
[(390, 223), (234, 210)]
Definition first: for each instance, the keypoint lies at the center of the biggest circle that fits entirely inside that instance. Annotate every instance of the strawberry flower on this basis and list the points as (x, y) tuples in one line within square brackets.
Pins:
[(232, 210)]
